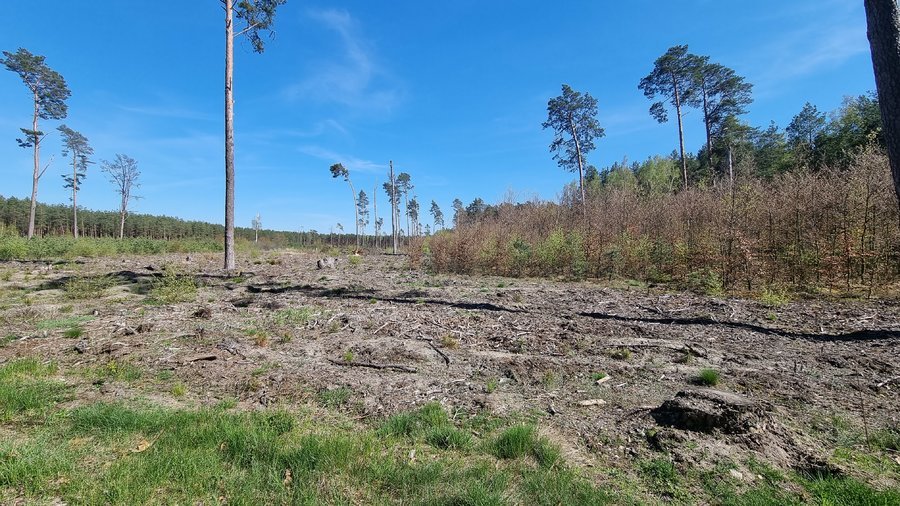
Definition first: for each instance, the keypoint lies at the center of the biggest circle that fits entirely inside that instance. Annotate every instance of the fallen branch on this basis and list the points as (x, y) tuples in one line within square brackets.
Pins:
[(395, 367), (200, 358), (435, 348)]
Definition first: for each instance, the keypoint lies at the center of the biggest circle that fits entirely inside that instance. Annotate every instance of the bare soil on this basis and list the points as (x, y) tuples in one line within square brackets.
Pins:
[(791, 378)]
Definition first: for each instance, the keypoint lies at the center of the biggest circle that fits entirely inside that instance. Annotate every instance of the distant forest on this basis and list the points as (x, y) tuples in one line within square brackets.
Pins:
[(56, 219)]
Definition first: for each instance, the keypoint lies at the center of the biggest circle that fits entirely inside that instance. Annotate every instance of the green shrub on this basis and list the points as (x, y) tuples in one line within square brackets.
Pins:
[(173, 288), (708, 377)]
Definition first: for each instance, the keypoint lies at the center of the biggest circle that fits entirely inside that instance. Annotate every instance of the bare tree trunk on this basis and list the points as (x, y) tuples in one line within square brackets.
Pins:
[(74, 195), (37, 167), (580, 165), (122, 219), (730, 166), (394, 217), (229, 136), (883, 20), (709, 159), (375, 215), (355, 211), (680, 132)]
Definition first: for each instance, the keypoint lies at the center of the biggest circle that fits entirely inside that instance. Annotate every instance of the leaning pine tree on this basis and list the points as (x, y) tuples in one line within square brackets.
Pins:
[(49, 93)]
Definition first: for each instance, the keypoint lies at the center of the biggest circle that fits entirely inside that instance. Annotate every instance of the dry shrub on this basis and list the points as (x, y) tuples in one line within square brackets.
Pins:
[(836, 228)]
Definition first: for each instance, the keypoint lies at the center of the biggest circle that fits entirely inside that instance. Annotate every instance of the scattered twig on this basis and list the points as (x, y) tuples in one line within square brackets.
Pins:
[(200, 358), (435, 348), (395, 367), (887, 382), (379, 329)]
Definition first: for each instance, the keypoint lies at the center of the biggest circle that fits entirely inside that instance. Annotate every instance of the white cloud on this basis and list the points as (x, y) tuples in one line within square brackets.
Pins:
[(352, 163), (355, 79)]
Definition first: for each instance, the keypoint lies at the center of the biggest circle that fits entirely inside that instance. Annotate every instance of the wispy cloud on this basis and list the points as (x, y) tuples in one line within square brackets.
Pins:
[(350, 162), (837, 35), (356, 79), (168, 112)]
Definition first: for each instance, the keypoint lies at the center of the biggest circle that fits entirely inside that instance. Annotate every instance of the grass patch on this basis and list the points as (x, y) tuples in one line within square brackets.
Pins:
[(62, 323), (25, 388), (113, 454), (173, 288), (522, 440), (707, 378), (118, 371), (84, 287), (335, 397), (73, 333), (661, 476), (293, 316)]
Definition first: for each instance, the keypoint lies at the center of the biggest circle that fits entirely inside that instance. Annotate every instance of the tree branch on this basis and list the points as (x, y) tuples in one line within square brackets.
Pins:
[(46, 167), (245, 30)]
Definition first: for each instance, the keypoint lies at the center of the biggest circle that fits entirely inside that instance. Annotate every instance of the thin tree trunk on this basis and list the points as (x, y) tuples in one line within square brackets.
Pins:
[(229, 136), (883, 20), (709, 159), (37, 166), (122, 219), (75, 195), (730, 167), (680, 131), (355, 211), (406, 206), (580, 165), (393, 210), (375, 215)]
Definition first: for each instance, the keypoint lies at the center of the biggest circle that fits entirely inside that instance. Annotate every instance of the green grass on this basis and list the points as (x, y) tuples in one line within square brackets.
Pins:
[(40, 248), (707, 378), (102, 453), (83, 287), (73, 333), (115, 370), (293, 316), (173, 288), (115, 454), (63, 323), (26, 388), (522, 440), (335, 397)]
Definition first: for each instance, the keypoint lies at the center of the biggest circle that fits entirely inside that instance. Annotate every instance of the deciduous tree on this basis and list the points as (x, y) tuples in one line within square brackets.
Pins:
[(573, 118), (124, 174), (76, 145), (674, 77), (49, 93), (257, 16)]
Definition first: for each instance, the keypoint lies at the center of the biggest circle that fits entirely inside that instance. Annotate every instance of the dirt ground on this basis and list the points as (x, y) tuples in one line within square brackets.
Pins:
[(610, 371)]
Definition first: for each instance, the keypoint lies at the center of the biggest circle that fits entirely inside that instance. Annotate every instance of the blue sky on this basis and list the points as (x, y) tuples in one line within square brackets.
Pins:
[(453, 92)]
